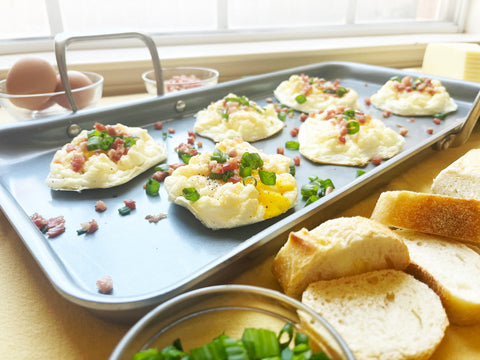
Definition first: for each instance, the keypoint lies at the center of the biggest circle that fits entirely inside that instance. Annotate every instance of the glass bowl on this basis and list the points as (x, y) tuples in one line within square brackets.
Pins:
[(57, 103), (180, 78), (198, 316)]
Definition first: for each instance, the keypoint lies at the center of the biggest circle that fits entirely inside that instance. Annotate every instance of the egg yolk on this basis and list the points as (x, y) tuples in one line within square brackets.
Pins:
[(271, 198)]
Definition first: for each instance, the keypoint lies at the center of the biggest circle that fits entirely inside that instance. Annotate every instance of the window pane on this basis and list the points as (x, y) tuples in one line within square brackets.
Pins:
[(285, 13), (142, 15), (400, 10), (23, 19)]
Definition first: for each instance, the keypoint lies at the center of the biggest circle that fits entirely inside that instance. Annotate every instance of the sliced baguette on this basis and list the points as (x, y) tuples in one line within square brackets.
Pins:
[(430, 213), (384, 314), (451, 269), (460, 178), (336, 248)]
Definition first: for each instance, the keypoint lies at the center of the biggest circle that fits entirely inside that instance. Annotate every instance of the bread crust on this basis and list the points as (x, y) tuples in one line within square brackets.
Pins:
[(338, 247), (430, 213)]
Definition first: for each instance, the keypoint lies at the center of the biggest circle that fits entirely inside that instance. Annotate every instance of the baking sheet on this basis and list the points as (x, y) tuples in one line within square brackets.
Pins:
[(149, 262)]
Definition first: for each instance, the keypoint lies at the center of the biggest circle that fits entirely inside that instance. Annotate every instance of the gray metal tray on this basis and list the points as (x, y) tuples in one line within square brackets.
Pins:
[(150, 263)]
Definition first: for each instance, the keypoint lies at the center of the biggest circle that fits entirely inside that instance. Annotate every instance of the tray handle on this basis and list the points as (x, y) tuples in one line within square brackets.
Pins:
[(62, 40), (463, 133)]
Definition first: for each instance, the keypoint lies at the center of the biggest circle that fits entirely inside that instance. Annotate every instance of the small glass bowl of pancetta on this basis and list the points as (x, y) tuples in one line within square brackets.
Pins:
[(180, 79)]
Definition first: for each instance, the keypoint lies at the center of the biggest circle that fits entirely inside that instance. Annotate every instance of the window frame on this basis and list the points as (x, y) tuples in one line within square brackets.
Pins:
[(454, 23)]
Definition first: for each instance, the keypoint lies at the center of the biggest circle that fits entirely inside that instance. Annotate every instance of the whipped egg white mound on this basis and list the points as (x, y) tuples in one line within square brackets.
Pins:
[(410, 96), (107, 156), (235, 116), (311, 94), (233, 186), (345, 136)]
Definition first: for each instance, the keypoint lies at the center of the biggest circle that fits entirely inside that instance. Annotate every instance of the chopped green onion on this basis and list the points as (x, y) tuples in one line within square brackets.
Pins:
[(282, 116), (146, 354), (323, 184), (221, 176), (260, 343), (316, 189), (329, 91), (255, 344), (219, 156), (215, 176), (252, 160), (102, 140), (234, 349), (292, 169), (441, 115), (244, 171), (241, 100), (152, 187), (124, 210), (301, 98), (341, 91), (224, 113), (212, 350), (191, 194), (311, 199), (360, 173), (308, 190), (301, 339), (288, 330), (107, 143), (244, 101), (395, 78), (292, 145), (81, 232), (267, 177), (185, 157), (250, 180), (349, 114), (94, 143), (129, 141), (353, 127), (162, 167), (164, 135), (227, 175)]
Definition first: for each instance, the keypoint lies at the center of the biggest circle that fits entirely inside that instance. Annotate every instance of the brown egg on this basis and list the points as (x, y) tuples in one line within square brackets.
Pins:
[(77, 80), (31, 75)]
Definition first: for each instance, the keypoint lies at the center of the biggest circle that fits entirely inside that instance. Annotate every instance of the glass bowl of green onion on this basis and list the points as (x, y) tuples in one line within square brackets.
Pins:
[(239, 322)]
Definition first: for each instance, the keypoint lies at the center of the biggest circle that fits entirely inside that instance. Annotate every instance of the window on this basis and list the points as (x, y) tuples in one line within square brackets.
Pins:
[(29, 25)]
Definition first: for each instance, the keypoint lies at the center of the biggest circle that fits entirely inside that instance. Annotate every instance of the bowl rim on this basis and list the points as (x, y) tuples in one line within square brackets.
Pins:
[(19, 96), (230, 288), (214, 71)]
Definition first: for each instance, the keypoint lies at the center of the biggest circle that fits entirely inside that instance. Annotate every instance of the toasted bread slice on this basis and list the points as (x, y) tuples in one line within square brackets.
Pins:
[(430, 213), (336, 248), (384, 314), (451, 269), (460, 178)]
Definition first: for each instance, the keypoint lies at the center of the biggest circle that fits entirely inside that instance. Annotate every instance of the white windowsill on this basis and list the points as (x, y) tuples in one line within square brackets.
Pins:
[(122, 68)]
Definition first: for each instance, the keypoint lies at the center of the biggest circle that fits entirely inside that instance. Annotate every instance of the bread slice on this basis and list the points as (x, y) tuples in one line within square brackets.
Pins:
[(460, 178), (384, 314), (451, 269), (336, 248), (430, 213)]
